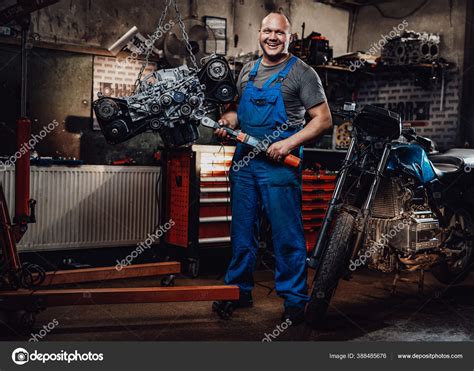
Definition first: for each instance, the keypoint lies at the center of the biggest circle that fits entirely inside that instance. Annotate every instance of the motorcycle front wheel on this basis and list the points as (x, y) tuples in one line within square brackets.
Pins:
[(332, 267)]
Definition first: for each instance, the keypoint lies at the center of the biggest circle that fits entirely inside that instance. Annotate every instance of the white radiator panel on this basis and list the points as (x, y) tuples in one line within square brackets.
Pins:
[(88, 206)]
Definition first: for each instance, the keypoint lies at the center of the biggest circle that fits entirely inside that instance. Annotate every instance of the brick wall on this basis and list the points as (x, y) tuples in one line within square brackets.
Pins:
[(114, 79), (419, 106)]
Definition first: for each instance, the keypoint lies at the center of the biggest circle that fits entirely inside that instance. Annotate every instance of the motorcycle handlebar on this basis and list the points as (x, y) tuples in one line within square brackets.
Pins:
[(410, 134)]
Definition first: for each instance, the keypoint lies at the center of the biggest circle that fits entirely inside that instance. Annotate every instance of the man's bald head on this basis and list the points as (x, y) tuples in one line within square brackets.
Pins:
[(275, 16)]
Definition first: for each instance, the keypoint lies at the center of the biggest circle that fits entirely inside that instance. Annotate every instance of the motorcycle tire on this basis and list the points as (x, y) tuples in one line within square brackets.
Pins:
[(443, 272), (332, 267)]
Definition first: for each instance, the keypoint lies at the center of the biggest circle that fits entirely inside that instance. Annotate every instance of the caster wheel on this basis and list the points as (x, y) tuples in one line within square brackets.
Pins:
[(216, 306), (193, 268), (168, 281), (223, 309)]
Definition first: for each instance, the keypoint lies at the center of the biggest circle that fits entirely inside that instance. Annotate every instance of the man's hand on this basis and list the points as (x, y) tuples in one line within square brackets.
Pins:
[(278, 150), (228, 119), (221, 132)]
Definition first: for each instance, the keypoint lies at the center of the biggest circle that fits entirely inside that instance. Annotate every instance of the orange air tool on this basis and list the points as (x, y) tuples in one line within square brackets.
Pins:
[(241, 137)]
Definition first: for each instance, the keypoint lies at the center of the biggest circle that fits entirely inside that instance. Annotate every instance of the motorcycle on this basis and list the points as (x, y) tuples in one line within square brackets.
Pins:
[(397, 206)]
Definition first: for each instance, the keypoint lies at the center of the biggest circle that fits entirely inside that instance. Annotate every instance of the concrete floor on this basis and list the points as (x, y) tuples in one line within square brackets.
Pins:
[(363, 309)]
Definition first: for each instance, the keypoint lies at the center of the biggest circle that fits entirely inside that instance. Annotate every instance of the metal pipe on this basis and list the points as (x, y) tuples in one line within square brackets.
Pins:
[(24, 68), (22, 172), (23, 133)]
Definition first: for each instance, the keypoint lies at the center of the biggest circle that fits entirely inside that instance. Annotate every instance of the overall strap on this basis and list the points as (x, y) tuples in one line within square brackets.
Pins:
[(254, 71), (280, 76)]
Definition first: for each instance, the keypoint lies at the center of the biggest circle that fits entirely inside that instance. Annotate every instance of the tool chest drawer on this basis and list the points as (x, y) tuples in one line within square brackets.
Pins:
[(317, 187), (213, 164)]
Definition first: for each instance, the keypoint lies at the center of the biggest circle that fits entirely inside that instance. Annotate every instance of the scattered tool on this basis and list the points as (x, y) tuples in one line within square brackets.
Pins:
[(253, 142), (124, 161)]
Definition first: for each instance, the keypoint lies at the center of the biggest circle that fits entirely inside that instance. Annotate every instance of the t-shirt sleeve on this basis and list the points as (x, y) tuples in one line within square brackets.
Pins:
[(243, 77), (311, 89)]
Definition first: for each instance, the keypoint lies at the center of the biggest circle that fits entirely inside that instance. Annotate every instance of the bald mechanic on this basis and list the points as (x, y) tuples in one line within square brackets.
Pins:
[(276, 89)]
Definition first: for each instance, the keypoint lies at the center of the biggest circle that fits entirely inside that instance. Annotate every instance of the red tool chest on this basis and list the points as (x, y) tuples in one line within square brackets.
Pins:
[(197, 190), (318, 187)]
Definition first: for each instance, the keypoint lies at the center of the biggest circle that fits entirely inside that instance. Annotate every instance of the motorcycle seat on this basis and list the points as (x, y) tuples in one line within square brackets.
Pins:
[(447, 167), (466, 154)]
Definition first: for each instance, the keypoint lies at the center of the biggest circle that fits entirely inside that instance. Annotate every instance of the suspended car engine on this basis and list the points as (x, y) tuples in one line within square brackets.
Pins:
[(170, 102)]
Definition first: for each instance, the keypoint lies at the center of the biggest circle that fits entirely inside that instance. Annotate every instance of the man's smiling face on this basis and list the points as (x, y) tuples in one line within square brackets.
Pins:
[(274, 36)]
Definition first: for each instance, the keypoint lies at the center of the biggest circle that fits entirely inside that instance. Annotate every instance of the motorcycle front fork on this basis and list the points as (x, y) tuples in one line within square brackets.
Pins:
[(318, 252)]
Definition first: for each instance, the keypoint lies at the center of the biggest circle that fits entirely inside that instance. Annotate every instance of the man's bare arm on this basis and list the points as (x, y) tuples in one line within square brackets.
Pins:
[(321, 121)]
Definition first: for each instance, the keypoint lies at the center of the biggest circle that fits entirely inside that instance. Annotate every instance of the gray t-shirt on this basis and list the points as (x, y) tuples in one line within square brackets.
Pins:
[(301, 89)]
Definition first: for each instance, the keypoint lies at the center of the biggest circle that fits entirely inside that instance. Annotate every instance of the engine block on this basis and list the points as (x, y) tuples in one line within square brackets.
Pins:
[(169, 101), (411, 48)]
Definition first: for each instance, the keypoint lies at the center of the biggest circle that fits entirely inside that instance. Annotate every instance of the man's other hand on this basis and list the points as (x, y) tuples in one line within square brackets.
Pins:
[(278, 150)]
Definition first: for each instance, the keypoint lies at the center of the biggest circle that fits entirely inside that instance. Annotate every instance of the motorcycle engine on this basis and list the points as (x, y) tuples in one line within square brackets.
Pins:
[(420, 233), (401, 220), (169, 101)]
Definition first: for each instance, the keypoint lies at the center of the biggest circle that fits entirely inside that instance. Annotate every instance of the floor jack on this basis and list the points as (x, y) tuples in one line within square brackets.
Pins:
[(26, 289)]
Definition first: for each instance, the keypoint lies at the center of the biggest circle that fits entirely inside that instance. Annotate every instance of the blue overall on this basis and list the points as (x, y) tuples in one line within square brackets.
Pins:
[(260, 181)]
